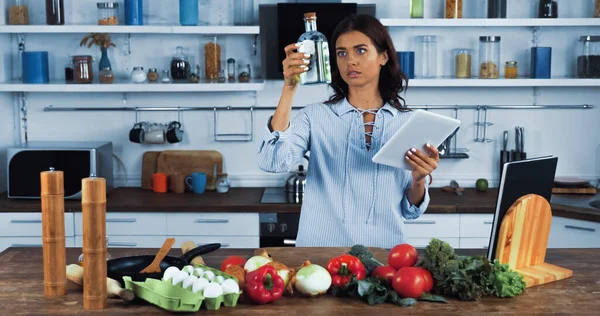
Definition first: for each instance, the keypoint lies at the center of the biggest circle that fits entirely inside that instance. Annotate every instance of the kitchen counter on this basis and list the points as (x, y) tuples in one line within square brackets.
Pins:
[(21, 288), (248, 200)]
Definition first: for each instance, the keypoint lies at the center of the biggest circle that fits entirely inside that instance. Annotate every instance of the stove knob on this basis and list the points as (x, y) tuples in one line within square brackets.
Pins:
[(271, 227), (283, 227)]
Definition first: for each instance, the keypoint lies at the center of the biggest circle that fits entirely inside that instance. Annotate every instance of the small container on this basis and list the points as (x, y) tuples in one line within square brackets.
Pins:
[(188, 12), (180, 66), (82, 69), (222, 76), (55, 12), (106, 75), (222, 183), (406, 60), (166, 77), (511, 70), (18, 12), (212, 59), (548, 9), (453, 9), (496, 9), (69, 74), (416, 9), (134, 12), (244, 73), (463, 62), (34, 67), (541, 62), (138, 75), (231, 69), (108, 13), (489, 57), (243, 13), (597, 9), (427, 67), (588, 57), (152, 75)]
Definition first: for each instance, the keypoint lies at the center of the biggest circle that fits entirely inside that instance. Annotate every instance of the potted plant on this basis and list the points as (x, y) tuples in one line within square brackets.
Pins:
[(104, 41)]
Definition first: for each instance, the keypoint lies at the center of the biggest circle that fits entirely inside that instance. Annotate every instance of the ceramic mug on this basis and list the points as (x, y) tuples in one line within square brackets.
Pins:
[(155, 136), (159, 182), (174, 133), (137, 133), (196, 182), (177, 183)]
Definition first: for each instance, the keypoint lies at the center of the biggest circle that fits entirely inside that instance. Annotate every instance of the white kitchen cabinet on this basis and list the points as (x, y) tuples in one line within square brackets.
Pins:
[(130, 224), (476, 225), (28, 224), (573, 233), (432, 225), (474, 243), (6, 242), (213, 224), (421, 243), (115, 241), (252, 242)]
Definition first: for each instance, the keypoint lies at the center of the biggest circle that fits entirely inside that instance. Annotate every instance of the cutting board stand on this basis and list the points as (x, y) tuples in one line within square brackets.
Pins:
[(523, 240)]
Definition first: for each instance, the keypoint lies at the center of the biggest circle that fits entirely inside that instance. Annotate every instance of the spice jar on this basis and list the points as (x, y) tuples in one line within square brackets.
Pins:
[(597, 9), (212, 59), (82, 69), (166, 78), (489, 57), (18, 12), (588, 57), (511, 70), (244, 73), (108, 13), (548, 9), (106, 75), (463, 62), (180, 67), (222, 183), (416, 9), (138, 75), (231, 69), (55, 12), (152, 75), (453, 9)]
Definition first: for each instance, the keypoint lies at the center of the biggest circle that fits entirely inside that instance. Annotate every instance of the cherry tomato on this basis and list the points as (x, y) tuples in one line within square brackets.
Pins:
[(408, 282), (233, 260), (428, 279), (403, 255), (384, 272)]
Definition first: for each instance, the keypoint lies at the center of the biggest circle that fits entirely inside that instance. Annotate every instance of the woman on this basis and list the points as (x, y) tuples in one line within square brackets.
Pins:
[(349, 199)]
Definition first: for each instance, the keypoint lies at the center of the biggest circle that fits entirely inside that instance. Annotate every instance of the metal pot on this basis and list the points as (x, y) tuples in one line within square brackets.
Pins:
[(296, 181)]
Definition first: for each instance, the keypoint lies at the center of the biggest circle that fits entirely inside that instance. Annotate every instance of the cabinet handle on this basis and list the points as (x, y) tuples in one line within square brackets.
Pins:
[(224, 245), (122, 244), (26, 245), (26, 221), (121, 220), (580, 228), (289, 241), (212, 221), (488, 222), (420, 222)]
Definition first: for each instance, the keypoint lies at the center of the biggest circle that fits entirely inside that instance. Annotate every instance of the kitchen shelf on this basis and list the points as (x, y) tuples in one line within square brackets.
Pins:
[(128, 86), (491, 22), (501, 82), (130, 29)]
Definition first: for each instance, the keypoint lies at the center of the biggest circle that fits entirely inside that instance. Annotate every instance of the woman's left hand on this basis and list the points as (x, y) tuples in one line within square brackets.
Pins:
[(423, 162)]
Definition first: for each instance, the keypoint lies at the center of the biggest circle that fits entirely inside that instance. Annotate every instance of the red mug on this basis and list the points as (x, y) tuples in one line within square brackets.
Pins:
[(159, 182)]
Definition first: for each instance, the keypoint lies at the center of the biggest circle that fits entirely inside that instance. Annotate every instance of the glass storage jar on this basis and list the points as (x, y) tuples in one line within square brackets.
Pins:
[(453, 9), (212, 59), (511, 70), (152, 75), (588, 57), (55, 12), (138, 75), (548, 9), (427, 64), (106, 75), (166, 77), (243, 12), (222, 183), (18, 12), (82, 69), (244, 72), (463, 62), (489, 57), (597, 9), (216, 12), (180, 66), (108, 13), (231, 69), (416, 9)]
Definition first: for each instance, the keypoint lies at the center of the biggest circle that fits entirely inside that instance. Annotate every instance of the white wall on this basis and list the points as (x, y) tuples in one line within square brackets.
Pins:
[(572, 135), (6, 111)]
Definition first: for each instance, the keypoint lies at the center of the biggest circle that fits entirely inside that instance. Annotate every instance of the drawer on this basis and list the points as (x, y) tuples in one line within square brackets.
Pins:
[(573, 233), (476, 225), (212, 224), (28, 224), (474, 243), (432, 225), (129, 241), (6, 242), (421, 243), (228, 242), (127, 224)]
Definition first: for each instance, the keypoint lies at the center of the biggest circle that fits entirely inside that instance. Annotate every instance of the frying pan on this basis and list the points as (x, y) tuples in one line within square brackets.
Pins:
[(132, 265)]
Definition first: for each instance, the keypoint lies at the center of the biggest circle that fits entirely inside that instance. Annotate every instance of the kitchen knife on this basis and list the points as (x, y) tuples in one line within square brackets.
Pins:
[(522, 143), (517, 139), (505, 141)]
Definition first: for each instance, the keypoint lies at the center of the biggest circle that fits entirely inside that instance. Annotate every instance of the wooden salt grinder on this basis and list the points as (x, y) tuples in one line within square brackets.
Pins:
[(53, 232), (93, 209)]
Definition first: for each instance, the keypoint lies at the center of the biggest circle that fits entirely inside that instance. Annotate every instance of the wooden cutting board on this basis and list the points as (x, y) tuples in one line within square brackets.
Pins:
[(590, 189), (190, 161), (149, 165)]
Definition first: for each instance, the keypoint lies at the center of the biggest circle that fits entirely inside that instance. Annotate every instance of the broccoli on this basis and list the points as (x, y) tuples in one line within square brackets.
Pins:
[(366, 257)]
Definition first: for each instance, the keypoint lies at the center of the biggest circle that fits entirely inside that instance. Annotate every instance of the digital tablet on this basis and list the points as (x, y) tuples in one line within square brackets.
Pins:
[(421, 128)]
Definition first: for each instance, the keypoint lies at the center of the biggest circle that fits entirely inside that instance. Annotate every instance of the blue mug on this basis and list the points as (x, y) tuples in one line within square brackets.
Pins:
[(196, 182)]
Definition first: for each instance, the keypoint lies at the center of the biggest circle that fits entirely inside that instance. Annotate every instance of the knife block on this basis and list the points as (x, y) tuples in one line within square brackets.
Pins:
[(523, 239)]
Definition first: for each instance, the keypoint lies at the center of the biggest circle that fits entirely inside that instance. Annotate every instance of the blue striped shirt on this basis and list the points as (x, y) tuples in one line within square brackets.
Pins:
[(348, 198)]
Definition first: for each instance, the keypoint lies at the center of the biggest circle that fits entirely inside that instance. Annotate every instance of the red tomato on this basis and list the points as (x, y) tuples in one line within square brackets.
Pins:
[(403, 255), (408, 282), (384, 272), (428, 279), (233, 260)]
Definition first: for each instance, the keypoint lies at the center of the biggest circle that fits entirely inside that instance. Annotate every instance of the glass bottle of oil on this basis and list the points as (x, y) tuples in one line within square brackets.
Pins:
[(314, 43)]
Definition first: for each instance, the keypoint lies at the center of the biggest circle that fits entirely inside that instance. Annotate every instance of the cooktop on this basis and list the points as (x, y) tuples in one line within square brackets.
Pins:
[(280, 196)]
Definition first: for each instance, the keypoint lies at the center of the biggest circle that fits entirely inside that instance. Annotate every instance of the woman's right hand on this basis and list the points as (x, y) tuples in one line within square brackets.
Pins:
[(294, 64)]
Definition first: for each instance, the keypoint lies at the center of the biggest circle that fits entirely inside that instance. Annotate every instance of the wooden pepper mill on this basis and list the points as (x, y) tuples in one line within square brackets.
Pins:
[(93, 209), (53, 232)]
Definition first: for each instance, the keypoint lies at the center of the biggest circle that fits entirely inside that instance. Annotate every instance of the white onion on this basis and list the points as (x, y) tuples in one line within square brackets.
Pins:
[(256, 262), (312, 280)]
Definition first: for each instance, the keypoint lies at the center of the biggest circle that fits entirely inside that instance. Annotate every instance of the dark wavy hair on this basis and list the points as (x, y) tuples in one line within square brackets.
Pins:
[(391, 78)]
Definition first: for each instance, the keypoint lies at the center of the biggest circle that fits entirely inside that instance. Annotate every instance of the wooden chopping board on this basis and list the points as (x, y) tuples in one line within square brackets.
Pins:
[(589, 189), (190, 161), (149, 165)]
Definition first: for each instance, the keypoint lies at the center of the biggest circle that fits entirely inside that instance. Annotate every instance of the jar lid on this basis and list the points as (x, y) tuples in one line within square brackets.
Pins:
[(512, 63), (107, 5), (179, 55), (489, 38), (152, 70), (590, 38), (310, 15), (230, 61), (138, 68), (78, 57), (428, 38), (106, 68)]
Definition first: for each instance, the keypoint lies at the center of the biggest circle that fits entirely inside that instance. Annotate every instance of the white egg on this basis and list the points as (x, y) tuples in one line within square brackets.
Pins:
[(198, 272), (189, 281), (212, 290), (209, 275), (179, 277), (230, 286), (199, 285), (219, 279), (189, 269), (169, 273)]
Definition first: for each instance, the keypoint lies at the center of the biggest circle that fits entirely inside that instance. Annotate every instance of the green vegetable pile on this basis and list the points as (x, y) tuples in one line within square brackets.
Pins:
[(469, 277), (366, 257)]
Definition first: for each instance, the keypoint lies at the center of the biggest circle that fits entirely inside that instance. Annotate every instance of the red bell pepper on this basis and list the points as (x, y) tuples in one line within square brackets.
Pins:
[(342, 268), (264, 285)]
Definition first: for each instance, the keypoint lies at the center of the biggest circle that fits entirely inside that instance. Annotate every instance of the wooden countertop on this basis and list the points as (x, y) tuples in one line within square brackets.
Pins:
[(21, 288), (248, 200)]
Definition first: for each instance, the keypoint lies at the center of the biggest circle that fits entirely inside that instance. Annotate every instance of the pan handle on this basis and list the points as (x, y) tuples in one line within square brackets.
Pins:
[(200, 250)]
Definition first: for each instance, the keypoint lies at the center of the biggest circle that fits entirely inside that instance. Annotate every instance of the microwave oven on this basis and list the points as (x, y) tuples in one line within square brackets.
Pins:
[(77, 160)]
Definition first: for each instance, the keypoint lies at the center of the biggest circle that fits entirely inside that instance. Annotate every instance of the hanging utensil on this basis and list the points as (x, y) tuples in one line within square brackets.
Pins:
[(505, 141), (456, 187), (155, 265)]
